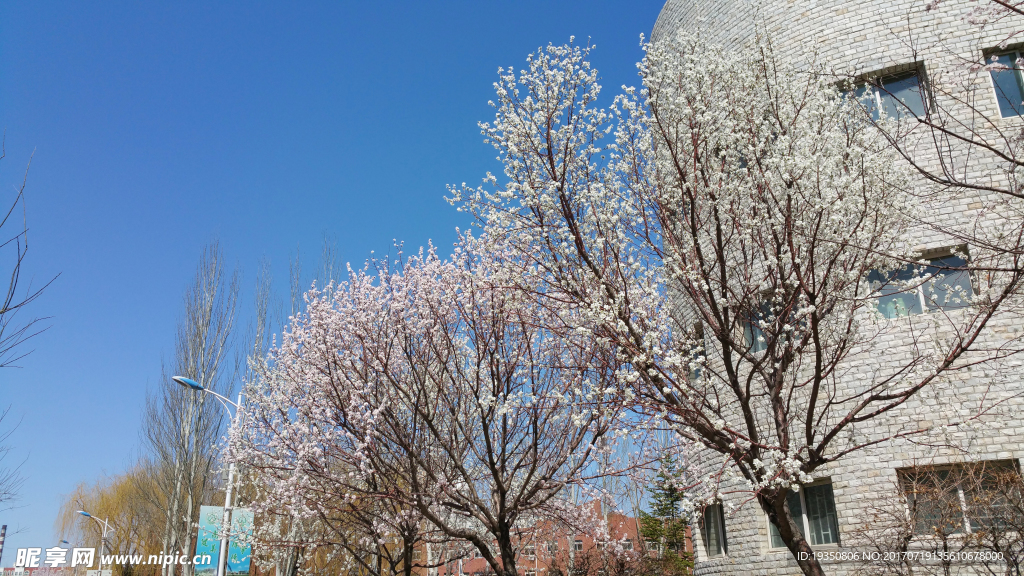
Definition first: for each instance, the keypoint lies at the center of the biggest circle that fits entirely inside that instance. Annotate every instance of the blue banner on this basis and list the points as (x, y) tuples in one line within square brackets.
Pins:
[(208, 540)]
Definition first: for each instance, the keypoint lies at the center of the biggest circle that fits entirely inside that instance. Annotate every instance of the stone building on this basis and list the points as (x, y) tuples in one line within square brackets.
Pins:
[(899, 44)]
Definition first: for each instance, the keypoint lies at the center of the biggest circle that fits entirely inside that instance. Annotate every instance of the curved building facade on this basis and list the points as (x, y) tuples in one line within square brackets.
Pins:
[(901, 43)]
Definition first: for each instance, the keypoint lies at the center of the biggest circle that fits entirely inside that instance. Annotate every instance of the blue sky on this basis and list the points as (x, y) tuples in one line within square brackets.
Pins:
[(157, 127)]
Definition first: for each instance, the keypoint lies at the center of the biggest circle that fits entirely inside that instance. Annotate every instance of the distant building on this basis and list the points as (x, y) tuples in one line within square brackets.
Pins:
[(550, 548)]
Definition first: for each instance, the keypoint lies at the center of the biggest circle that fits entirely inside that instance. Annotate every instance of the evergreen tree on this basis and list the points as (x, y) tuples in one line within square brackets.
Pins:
[(664, 527)]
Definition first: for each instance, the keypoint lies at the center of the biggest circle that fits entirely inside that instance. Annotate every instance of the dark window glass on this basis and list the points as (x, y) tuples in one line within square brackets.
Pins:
[(898, 294), (752, 334), (901, 95), (941, 284), (713, 530), (933, 498), (949, 285), (867, 96), (1008, 87), (992, 493)]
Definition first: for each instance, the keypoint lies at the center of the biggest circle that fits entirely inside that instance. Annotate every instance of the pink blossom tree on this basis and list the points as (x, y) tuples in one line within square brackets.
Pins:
[(440, 387)]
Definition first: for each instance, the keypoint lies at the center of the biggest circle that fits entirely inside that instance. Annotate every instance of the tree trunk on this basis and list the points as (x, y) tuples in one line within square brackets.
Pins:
[(408, 544), (508, 554), (779, 515), (294, 562)]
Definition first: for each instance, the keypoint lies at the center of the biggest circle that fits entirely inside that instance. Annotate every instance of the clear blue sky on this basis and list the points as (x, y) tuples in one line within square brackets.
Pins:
[(160, 126)]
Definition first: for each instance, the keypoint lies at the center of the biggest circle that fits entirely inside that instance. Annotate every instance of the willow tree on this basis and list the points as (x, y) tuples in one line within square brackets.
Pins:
[(136, 526)]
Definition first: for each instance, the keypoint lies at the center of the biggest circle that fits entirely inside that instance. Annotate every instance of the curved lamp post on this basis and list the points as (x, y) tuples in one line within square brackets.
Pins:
[(103, 538), (225, 526)]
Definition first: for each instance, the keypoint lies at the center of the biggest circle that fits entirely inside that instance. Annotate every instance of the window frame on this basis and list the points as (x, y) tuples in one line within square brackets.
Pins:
[(876, 81), (925, 304), (1018, 72), (967, 518), (577, 545), (805, 519)]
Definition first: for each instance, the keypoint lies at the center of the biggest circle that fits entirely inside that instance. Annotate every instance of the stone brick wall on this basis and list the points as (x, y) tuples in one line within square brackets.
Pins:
[(867, 37)]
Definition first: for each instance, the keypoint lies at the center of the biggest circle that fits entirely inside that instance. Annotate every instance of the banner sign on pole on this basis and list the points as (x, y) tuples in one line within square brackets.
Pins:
[(208, 540)]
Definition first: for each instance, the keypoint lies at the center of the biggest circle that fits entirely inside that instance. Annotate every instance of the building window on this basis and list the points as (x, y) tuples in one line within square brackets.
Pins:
[(940, 284), (944, 500), (814, 511), (628, 544), (695, 358), (1008, 84), (577, 545), (531, 573), (753, 334), (552, 548), (712, 529), (416, 555), (899, 95), (530, 551)]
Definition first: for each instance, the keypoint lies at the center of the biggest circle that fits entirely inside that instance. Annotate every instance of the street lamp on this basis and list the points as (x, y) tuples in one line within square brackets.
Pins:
[(68, 544), (103, 538), (225, 526)]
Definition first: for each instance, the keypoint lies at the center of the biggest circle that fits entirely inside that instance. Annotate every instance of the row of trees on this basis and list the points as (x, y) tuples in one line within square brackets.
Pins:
[(702, 260), (705, 256), (154, 507)]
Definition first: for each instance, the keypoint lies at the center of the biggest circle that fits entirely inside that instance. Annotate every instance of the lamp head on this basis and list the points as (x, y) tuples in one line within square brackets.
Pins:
[(187, 382)]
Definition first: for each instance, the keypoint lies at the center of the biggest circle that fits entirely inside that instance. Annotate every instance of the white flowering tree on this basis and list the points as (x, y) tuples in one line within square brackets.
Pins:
[(732, 229), (437, 388)]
